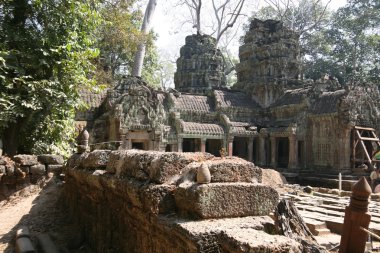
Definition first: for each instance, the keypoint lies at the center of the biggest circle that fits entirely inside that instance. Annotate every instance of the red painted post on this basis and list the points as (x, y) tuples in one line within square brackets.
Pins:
[(353, 239)]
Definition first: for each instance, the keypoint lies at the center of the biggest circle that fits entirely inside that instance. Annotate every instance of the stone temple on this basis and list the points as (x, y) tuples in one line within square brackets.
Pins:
[(271, 116)]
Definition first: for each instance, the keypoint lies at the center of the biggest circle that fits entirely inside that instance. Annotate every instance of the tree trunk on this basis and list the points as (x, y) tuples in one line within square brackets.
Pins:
[(140, 54), (11, 139)]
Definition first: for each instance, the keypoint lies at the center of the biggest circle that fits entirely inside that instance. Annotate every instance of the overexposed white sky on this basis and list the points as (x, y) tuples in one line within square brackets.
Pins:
[(168, 23)]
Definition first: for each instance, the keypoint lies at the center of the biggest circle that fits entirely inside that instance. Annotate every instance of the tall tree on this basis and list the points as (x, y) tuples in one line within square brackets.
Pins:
[(140, 54), (46, 47)]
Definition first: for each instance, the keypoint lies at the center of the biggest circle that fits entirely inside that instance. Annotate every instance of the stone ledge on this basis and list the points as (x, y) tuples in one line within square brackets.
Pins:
[(218, 200)]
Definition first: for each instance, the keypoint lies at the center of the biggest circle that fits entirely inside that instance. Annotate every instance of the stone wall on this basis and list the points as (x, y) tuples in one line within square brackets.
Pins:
[(140, 201), (22, 171)]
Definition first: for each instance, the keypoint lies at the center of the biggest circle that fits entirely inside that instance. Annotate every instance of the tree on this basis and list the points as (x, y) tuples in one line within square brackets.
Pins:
[(140, 54), (118, 40), (46, 49), (349, 47)]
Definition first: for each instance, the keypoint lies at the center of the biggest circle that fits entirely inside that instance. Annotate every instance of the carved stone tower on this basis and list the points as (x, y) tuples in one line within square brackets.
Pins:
[(269, 61), (200, 65)]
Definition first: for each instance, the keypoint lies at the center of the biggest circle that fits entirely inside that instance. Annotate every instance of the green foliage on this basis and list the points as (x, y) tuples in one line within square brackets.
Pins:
[(348, 48), (46, 47), (118, 40)]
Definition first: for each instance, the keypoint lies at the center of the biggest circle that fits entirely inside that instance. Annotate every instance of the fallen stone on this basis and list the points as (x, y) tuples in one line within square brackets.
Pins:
[(50, 159), (46, 245), (26, 160), (219, 200), (22, 231), (96, 159), (24, 245), (54, 168), (38, 169)]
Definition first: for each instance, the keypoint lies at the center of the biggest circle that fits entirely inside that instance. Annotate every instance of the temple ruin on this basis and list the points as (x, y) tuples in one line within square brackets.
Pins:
[(271, 116)]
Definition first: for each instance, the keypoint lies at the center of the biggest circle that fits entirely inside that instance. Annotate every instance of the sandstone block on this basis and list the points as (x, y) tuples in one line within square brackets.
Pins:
[(50, 159), (26, 160), (38, 169), (76, 160), (217, 200), (231, 170), (96, 159), (10, 169), (2, 161), (158, 167), (54, 168)]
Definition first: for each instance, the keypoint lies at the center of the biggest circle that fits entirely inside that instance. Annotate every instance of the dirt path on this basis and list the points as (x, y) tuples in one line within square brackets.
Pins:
[(39, 211)]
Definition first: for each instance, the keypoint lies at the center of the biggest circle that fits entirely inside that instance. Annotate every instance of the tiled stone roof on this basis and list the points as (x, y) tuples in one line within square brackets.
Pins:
[(327, 102), (291, 97), (201, 128), (243, 128), (234, 99), (193, 103)]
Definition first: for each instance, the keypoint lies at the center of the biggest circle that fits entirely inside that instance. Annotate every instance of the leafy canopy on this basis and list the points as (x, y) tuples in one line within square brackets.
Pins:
[(46, 47)]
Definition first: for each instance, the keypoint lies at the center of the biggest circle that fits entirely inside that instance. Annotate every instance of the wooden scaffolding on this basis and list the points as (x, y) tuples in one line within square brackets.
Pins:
[(364, 144)]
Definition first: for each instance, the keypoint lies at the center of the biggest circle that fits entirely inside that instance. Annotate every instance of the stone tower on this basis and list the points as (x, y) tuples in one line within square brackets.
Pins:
[(269, 61), (200, 65)]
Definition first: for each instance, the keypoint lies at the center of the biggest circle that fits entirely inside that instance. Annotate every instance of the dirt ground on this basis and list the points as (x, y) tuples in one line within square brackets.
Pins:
[(42, 211)]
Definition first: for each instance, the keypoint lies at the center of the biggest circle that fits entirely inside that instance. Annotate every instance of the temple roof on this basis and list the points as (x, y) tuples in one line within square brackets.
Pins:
[(193, 103), (92, 100), (291, 97), (234, 99), (201, 128), (327, 102)]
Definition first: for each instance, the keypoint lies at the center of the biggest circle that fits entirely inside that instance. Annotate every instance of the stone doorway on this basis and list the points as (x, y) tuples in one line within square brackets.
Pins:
[(240, 147), (282, 152), (213, 146), (191, 145), (139, 145)]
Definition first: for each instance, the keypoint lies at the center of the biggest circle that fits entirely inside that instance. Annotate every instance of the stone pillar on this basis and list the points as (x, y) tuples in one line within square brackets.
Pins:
[(250, 149), (179, 145), (262, 150), (83, 138), (353, 239), (273, 145), (203, 145), (230, 142), (293, 152), (123, 139)]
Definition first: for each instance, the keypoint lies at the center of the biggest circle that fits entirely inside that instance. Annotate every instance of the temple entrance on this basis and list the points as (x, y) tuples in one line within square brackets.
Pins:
[(282, 152), (139, 145), (213, 146), (301, 153), (240, 147), (191, 145)]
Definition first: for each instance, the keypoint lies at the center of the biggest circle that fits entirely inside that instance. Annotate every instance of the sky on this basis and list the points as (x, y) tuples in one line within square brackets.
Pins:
[(169, 25)]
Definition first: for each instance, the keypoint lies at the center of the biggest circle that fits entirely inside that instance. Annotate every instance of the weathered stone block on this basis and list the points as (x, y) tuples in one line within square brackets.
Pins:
[(2, 160), (26, 160), (10, 169), (25, 169), (250, 240), (50, 159), (54, 168), (76, 160), (158, 167), (38, 169), (96, 159), (217, 200), (230, 170)]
